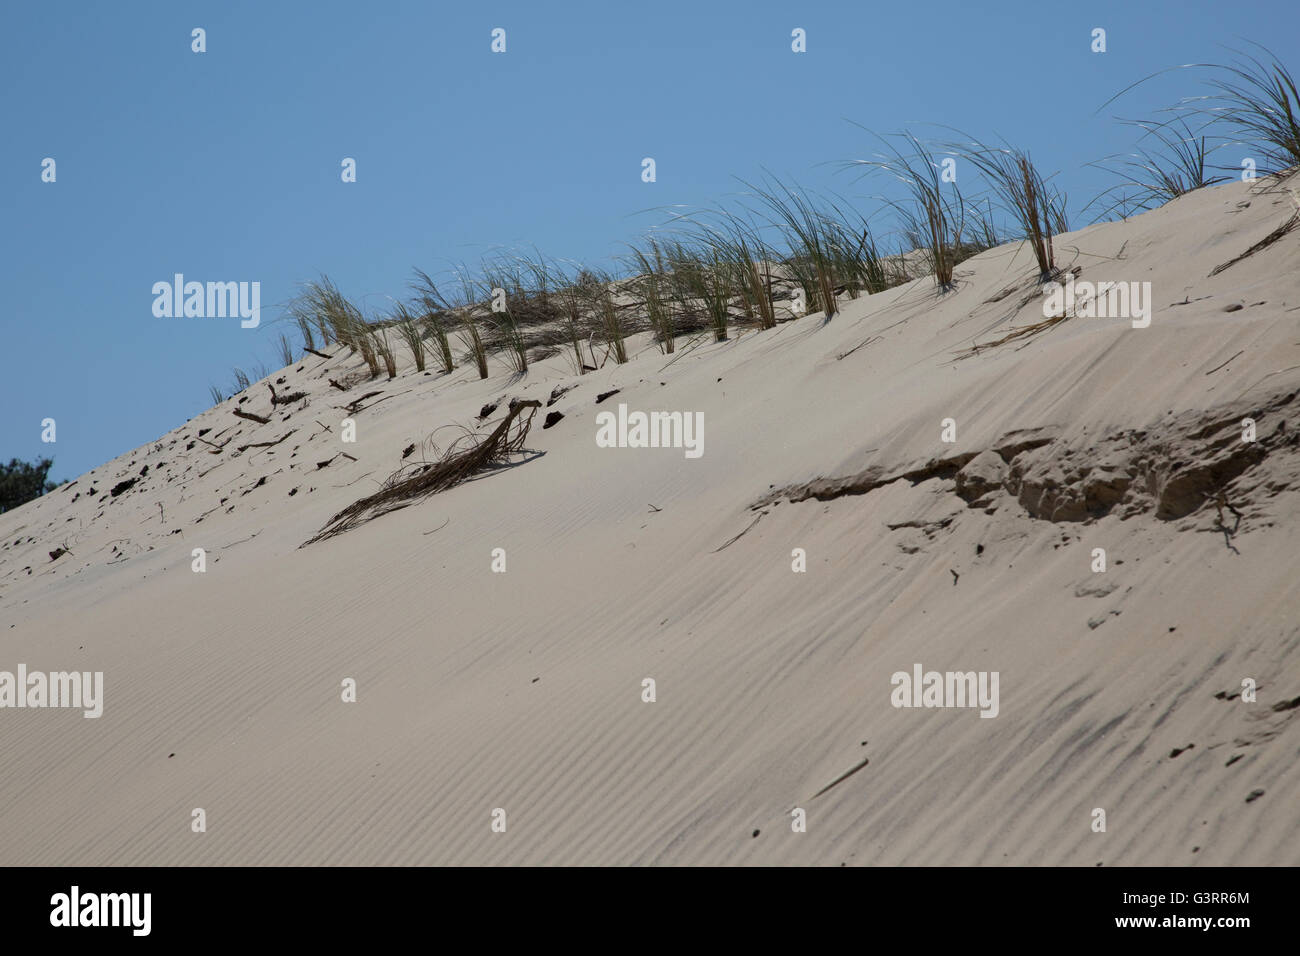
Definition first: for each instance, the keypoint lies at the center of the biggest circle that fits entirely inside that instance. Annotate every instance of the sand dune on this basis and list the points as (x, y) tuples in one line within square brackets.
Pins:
[(522, 690)]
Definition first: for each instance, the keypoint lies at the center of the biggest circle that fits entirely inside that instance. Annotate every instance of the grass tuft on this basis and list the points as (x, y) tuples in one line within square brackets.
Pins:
[(1037, 208), (810, 236), (1176, 163), (412, 334), (1260, 102), (936, 220)]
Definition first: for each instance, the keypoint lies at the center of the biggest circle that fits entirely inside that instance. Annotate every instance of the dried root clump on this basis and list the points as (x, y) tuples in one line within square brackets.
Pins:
[(467, 456)]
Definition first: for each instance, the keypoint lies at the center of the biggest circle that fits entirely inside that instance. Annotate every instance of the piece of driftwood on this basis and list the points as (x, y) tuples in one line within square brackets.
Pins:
[(355, 405), (267, 444), (330, 461), (253, 418), (216, 449), (464, 458)]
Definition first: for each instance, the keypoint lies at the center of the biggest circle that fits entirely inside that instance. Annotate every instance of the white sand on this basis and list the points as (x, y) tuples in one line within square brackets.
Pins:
[(522, 690)]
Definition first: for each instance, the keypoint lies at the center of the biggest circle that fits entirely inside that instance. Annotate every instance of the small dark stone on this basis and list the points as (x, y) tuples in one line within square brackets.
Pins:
[(604, 395), (1254, 795), (552, 418), (122, 486), (754, 834)]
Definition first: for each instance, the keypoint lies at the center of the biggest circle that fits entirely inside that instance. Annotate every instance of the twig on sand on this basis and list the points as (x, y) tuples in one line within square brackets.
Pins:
[(1220, 502), (440, 527), (355, 406), (742, 534), (842, 777), (355, 480), (242, 540), (330, 461), (1217, 367), (251, 417), (844, 355)]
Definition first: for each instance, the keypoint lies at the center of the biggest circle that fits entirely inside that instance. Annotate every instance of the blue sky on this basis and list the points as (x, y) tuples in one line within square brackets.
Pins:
[(225, 165)]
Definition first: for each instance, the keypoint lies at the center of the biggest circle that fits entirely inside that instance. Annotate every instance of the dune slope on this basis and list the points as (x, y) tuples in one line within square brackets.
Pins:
[(523, 690)]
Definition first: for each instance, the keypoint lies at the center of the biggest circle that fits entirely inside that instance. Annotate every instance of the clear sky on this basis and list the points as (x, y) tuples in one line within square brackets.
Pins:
[(225, 165)]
